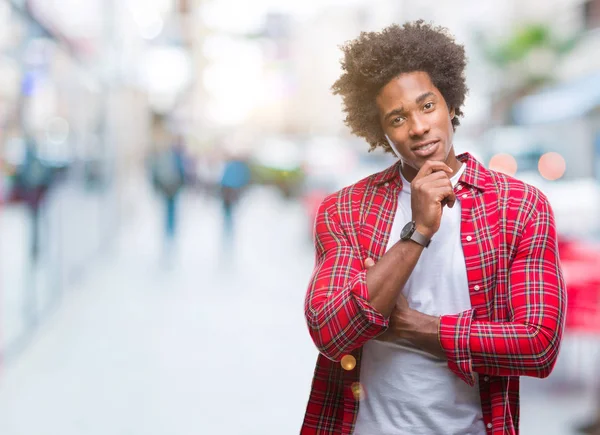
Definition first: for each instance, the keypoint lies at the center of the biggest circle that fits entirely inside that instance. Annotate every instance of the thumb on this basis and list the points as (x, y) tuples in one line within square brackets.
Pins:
[(369, 262)]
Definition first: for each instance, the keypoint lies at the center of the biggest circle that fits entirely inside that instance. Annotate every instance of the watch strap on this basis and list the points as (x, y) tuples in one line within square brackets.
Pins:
[(420, 239)]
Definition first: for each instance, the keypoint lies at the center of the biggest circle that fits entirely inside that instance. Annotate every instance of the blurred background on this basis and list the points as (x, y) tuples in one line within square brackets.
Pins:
[(161, 163)]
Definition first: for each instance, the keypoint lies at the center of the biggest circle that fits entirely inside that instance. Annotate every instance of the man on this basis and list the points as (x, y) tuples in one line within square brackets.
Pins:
[(169, 177), (235, 178), (592, 427), (437, 282), (33, 179)]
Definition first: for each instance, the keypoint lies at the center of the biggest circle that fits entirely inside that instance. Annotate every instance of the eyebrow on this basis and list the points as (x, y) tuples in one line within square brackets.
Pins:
[(419, 100), (424, 97)]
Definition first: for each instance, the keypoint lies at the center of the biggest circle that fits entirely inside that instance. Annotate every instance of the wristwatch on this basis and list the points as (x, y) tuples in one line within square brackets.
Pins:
[(409, 232)]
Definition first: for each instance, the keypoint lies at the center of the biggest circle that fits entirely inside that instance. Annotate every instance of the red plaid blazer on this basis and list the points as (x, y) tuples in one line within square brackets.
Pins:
[(516, 287)]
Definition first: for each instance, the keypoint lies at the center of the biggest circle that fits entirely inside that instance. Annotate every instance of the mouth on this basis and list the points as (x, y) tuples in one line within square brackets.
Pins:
[(425, 149)]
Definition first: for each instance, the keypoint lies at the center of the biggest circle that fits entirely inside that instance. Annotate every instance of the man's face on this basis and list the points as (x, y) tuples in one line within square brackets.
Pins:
[(415, 117)]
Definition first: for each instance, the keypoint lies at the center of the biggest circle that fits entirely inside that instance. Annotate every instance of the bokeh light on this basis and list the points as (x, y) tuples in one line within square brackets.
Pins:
[(552, 166), (348, 362), (358, 391), (504, 163)]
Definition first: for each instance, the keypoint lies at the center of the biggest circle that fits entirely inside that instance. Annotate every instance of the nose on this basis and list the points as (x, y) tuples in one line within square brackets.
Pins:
[(418, 127)]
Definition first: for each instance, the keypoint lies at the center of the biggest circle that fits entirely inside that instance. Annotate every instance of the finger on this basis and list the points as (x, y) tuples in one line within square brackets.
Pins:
[(369, 262), (387, 335), (446, 185), (432, 166), (451, 199), (442, 189), (445, 195), (417, 183), (437, 175), (437, 184)]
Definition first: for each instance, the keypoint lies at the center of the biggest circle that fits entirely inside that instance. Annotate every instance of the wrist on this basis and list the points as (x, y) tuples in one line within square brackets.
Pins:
[(423, 230), (421, 325), (424, 333)]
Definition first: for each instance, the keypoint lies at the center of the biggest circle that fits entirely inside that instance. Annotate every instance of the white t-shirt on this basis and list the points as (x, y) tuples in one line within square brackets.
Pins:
[(408, 391)]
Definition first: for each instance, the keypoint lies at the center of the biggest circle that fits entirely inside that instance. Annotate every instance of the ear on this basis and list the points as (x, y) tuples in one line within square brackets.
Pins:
[(452, 113)]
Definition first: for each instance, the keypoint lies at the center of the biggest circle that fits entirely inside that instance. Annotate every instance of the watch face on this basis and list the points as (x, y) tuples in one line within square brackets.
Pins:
[(407, 231)]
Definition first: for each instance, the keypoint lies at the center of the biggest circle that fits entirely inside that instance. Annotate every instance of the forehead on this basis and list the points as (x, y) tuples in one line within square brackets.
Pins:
[(404, 90)]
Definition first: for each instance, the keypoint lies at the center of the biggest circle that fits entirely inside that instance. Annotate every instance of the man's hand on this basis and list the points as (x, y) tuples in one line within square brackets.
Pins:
[(399, 320), (405, 323), (387, 335), (431, 189)]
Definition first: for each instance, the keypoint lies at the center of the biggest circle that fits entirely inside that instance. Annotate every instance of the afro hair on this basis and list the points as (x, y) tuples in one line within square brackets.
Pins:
[(374, 58)]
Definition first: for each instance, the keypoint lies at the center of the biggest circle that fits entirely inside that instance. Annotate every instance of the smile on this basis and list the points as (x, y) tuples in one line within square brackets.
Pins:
[(427, 149)]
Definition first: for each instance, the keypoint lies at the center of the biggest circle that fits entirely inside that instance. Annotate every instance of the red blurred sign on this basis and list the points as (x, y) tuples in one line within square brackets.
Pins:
[(581, 267)]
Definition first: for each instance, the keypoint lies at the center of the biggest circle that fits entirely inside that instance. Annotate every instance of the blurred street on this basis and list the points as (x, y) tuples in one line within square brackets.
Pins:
[(161, 166), (214, 344), (139, 348)]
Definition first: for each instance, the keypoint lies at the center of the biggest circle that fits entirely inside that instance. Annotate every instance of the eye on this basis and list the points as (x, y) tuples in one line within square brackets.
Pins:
[(397, 120), (428, 106)]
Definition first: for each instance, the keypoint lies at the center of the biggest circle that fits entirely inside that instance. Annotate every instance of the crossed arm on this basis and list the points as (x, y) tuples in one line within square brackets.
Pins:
[(342, 314)]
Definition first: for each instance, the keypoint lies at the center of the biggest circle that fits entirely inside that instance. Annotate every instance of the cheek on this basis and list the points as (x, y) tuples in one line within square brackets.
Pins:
[(445, 123)]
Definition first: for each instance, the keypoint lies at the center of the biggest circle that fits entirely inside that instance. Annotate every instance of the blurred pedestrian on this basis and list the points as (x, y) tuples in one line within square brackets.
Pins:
[(168, 177), (33, 178), (235, 179), (437, 282), (592, 427)]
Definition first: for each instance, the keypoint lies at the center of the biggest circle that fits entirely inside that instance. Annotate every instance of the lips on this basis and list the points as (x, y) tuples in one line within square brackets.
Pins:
[(425, 149)]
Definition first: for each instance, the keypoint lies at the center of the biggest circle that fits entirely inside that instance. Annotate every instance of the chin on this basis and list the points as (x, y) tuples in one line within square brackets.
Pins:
[(442, 157), (435, 158)]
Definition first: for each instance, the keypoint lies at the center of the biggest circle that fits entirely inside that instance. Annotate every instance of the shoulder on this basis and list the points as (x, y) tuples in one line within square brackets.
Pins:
[(350, 197), (516, 194)]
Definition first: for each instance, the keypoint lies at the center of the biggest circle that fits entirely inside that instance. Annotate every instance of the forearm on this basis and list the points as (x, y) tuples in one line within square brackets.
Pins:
[(421, 330), (341, 320), (499, 349), (515, 349), (387, 278), (337, 309)]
